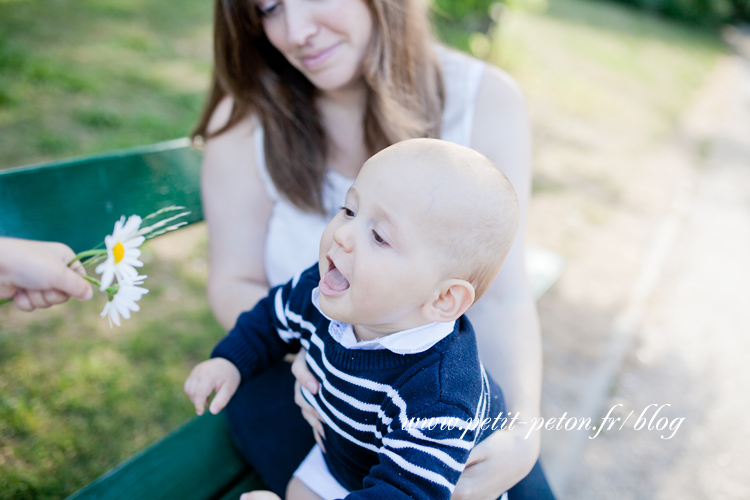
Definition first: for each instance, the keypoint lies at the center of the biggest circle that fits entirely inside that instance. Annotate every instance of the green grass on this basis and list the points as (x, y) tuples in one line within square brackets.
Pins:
[(77, 397), (615, 68), (84, 76), (79, 76)]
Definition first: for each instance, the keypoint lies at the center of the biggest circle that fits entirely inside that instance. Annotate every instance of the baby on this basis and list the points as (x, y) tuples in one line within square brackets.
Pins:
[(421, 236)]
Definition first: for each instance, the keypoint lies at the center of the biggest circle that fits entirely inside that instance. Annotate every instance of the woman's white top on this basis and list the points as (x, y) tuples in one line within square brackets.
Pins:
[(293, 236)]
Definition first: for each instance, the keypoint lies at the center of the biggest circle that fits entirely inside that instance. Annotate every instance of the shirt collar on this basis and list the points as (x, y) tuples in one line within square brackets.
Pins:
[(411, 341)]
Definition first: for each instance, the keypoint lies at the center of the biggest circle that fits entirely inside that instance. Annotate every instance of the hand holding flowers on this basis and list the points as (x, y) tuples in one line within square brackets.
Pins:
[(34, 274), (117, 263)]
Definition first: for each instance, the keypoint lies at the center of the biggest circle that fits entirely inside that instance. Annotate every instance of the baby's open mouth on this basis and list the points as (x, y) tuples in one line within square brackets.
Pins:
[(333, 279)]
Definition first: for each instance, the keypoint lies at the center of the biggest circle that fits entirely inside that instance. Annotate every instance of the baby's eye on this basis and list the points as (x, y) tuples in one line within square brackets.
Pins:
[(348, 212), (380, 241)]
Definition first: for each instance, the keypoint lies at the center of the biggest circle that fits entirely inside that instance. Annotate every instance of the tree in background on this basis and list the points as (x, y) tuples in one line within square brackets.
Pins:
[(461, 9), (699, 12)]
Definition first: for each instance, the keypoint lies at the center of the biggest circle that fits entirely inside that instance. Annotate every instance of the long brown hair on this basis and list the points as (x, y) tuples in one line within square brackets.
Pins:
[(403, 77)]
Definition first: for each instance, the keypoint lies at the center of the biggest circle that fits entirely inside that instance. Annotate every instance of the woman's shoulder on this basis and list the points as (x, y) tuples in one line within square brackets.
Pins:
[(461, 72), (221, 115), (500, 121), (230, 155), (231, 148), (479, 98), (502, 132), (494, 83), (499, 88)]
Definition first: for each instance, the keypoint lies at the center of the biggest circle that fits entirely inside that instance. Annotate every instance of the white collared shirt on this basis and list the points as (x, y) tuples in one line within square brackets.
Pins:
[(411, 341)]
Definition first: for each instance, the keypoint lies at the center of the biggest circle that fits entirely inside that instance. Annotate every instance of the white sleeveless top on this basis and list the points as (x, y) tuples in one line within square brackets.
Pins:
[(293, 236)]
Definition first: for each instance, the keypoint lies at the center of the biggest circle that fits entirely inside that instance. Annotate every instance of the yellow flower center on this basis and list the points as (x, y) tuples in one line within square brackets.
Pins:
[(119, 252)]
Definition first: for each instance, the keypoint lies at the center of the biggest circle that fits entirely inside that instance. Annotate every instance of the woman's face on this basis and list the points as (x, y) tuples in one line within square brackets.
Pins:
[(327, 40)]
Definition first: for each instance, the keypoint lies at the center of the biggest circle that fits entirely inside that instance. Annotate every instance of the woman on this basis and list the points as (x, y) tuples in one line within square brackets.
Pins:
[(304, 91)]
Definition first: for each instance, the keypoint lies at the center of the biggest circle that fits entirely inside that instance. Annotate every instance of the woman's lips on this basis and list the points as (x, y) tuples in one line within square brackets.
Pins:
[(318, 58), (333, 283)]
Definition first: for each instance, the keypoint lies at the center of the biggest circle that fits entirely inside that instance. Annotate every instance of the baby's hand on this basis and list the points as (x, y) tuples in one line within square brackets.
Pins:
[(215, 375)]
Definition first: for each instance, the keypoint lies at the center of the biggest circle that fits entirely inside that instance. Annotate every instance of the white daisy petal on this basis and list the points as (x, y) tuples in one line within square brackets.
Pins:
[(118, 226), (132, 225), (122, 252), (115, 317), (135, 242), (111, 313), (133, 261), (123, 309), (124, 301), (108, 277)]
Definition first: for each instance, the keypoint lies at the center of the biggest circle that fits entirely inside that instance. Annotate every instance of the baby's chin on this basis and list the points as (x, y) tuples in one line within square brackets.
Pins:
[(329, 309)]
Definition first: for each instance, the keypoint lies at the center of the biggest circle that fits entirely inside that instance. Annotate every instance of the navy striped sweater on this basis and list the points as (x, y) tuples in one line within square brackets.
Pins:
[(397, 426)]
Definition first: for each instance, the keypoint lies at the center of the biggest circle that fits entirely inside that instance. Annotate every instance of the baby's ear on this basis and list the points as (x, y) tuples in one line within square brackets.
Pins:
[(456, 297)]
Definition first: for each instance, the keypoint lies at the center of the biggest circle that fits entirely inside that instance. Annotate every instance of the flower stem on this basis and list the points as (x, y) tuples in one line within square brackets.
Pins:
[(111, 291), (92, 280), (6, 301), (87, 253)]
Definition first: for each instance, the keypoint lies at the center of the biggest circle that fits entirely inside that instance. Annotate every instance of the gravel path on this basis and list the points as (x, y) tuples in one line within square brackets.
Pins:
[(653, 310)]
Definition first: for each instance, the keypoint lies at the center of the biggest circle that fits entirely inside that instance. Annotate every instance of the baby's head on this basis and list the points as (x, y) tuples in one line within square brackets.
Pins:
[(422, 235)]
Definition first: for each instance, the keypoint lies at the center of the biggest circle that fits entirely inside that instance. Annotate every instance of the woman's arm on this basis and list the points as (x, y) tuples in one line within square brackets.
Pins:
[(506, 319), (237, 209)]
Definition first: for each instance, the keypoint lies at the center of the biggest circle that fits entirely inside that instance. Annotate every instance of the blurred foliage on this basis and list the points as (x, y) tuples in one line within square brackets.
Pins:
[(699, 12), (708, 13), (461, 9)]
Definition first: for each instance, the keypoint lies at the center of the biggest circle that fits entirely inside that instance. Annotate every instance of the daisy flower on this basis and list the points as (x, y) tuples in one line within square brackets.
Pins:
[(122, 252), (124, 300)]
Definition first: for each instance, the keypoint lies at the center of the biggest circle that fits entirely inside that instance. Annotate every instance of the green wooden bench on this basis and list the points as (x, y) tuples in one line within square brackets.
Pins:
[(75, 202)]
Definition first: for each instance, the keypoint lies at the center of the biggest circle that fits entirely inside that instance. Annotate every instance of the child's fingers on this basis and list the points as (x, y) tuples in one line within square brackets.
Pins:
[(70, 282), (54, 297), (308, 411), (198, 390), (28, 300), (36, 297), (188, 386), (199, 402), (223, 395), (310, 415), (260, 495), (203, 391), (303, 374), (22, 302), (319, 440)]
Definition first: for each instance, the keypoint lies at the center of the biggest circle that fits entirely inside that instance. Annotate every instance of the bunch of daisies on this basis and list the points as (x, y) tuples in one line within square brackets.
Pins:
[(120, 258)]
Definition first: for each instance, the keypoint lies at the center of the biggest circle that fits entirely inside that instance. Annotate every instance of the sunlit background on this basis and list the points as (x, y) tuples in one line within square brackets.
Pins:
[(641, 159)]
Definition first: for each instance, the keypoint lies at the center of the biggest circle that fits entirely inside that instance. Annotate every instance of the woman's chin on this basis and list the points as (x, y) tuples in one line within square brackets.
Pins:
[(336, 83)]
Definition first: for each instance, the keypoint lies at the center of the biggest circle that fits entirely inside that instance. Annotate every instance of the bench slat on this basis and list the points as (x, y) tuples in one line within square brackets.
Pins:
[(196, 462), (78, 201)]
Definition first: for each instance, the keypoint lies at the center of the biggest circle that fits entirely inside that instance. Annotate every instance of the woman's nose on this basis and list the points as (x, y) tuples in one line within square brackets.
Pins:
[(300, 22)]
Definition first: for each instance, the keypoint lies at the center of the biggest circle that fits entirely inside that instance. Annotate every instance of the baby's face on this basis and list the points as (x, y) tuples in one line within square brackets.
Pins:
[(378, 261)]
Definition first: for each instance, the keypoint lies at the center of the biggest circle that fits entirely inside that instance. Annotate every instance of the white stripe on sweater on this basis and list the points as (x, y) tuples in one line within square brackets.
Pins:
[(311, 399), (440, 455), (419, 471), (279, 307), (356, 403), (391, 393)]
